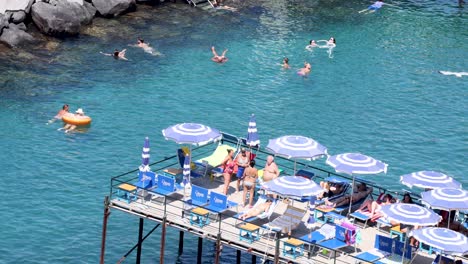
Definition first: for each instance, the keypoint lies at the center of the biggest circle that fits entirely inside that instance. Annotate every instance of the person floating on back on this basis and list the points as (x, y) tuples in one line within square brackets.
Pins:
[(217, 58), (372, 8)]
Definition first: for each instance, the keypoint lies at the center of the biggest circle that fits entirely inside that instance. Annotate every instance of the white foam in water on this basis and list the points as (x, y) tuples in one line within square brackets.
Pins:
[(458, 74)]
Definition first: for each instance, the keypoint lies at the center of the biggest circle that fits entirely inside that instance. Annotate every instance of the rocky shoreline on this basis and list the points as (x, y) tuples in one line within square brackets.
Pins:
[(20, 19)]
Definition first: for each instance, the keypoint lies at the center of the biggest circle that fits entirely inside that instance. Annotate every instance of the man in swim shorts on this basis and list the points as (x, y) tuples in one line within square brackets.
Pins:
[(242, 161), (217, 58), (374, 7), (270, 172)]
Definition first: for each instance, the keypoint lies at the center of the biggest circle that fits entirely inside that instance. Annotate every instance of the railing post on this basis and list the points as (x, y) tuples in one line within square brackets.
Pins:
[(104, 228)]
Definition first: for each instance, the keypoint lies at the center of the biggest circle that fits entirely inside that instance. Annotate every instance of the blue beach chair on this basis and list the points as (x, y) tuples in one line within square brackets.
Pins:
[(146, 180), (382, 248), (166, 186), (198, 197)]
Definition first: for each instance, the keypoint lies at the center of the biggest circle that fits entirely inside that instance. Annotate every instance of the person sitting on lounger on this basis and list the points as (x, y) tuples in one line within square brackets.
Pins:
[(330, 189), (259, 209), (362, 191), (374, 206), (407, 199)]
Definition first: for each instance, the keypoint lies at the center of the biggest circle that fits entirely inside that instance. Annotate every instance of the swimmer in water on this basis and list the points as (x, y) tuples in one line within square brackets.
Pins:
[(286, 63), (306, 70), (312, 44), (372, 8), (145, 46), (331, 42), (117, 54), (217, 58)]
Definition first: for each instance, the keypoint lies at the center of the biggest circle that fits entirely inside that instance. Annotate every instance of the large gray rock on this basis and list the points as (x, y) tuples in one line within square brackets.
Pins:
[(15, 5), (3, 22), (63, 19), (13, 36), (111, 8), (18, 17)]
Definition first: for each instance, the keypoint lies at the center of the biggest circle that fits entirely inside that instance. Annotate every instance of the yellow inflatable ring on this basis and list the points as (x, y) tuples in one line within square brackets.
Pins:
[(76, 120)]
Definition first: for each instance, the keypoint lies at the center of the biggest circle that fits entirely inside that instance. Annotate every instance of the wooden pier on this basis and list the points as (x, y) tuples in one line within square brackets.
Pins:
[(226, 230)]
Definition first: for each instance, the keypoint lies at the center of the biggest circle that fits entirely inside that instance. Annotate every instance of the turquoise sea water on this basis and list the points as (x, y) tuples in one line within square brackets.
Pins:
[(380, 94)]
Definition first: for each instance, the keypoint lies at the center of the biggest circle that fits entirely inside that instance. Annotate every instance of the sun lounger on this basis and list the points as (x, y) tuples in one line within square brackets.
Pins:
[(306, 174), (288, 221), (382, 248), (197, 170), (398, 252), (262, 199), (217, 157)]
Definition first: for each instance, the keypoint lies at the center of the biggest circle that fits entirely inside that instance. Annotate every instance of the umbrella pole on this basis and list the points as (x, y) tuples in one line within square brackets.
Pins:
[(351, 197), (448, 219)]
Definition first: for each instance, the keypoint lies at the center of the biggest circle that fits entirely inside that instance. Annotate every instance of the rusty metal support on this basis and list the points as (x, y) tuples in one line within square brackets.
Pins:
[(181, 242), (163, 240), (104, 228), (200, 249), (140, 241), (277, 247)]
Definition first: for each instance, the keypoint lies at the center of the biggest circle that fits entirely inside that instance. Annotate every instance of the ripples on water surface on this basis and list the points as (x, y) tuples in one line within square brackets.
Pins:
[(380, 94)]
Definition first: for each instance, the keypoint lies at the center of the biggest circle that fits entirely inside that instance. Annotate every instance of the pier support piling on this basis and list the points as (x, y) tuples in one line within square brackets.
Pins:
[(218, 248), (238, 256), (140, 241), (254, 259), (104, 228), (200, 249), (181, 242), (277, 247), (163, 240)]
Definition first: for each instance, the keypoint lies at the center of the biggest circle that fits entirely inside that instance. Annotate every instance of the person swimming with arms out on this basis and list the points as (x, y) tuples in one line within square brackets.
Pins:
[(219, 59), (331, 42), (305, 70), (374, 7), (117, 54)]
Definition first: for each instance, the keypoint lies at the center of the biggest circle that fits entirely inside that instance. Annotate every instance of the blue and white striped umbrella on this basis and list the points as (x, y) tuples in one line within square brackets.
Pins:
[(296, 186), (429, 180), (145, 155), (356, 163), (192, 133), (442, 238), (410, 214), (446, 199), (252, 135), (296, 147), (186, 171)]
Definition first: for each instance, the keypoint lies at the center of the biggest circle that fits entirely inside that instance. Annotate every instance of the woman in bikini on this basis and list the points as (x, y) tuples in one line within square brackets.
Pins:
[(242, 161), (228, 165), (257, 210), (250, 179)]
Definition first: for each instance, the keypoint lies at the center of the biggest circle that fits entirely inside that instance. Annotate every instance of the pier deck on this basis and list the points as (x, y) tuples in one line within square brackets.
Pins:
[(223, 228)]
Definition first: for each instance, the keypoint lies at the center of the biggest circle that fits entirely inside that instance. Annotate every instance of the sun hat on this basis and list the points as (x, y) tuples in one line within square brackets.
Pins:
[(80, 111)]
